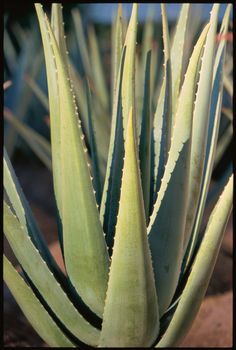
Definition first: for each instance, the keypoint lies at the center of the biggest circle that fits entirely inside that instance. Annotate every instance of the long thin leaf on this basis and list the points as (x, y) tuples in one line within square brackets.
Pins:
[(37, 91), (131, 310), (33, 309), (214, 122), (168, 118), (117, 45), (166, 236), (128, 83), (201, 271), (85, 250), (97, 69), (145, 138), (177, 51), (39, 145), (24, 213), (44, 280), (200, 124), (93, 146), (162, 118), (124, 97), (80, 36)]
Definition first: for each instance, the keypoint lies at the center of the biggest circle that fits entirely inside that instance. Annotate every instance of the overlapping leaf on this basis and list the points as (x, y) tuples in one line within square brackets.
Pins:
[(131, 310), (201, 271), (37, 270), (166, 235), (200, 124), (33, 309), (85, 251)]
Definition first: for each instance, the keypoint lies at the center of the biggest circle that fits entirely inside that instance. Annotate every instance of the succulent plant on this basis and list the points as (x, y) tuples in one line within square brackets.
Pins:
[(137, 266)]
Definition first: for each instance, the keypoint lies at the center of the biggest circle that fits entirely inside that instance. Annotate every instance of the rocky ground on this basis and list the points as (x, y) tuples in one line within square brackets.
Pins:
[(213, 324)]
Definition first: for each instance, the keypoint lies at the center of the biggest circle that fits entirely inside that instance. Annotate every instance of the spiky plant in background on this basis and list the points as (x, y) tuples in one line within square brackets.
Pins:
[(137, 267)]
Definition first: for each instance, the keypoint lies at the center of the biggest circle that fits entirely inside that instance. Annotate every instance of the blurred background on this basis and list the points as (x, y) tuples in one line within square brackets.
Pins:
[(27, 130)]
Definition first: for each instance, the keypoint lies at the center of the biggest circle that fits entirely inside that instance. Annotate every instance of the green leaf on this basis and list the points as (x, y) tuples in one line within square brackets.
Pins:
[(160, 153), (111, 189), (19, 97), (85, 250), (33, 309), (24, 213), (140, 65), (200, 124), (97, 69), (166, 236), (39, 145), (147, 38), (202, 269), (168, 119), (117, 45), (124, 99), (177, 51), (44, 281), (57, 25), (145, 139), (93, 147), (37, 91), (131, 310), (128, 83), (80, 93), (213, 130), (53, 106), (83, 49), (162, 118)]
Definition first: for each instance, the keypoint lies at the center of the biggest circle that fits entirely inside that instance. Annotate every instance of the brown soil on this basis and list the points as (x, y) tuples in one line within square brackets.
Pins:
[(213, 324)]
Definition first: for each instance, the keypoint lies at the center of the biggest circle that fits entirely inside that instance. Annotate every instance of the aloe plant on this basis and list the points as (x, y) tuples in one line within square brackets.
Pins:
[(137, 267)]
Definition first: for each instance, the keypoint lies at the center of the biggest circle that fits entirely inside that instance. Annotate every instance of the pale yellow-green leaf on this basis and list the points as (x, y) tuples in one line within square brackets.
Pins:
[(177, 51), (128, 83), (43, 279), (200, 124), (202, 269), (166, 235), (131, 316), (85, 250), (33, 309)]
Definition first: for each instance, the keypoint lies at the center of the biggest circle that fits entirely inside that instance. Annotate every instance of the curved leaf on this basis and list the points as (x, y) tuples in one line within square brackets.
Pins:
[(213, 130), (85, 250), (166, 236), (177, 51), (39, 145), (163, 118), (23, 212), (45, 282), (202, 269), (32, 309), (200, 124)]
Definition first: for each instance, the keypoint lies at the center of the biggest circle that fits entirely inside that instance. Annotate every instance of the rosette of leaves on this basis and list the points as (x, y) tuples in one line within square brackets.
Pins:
[(137, 267)]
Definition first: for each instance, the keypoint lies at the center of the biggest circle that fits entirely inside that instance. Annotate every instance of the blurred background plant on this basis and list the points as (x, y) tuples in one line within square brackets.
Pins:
[(90, 31)]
